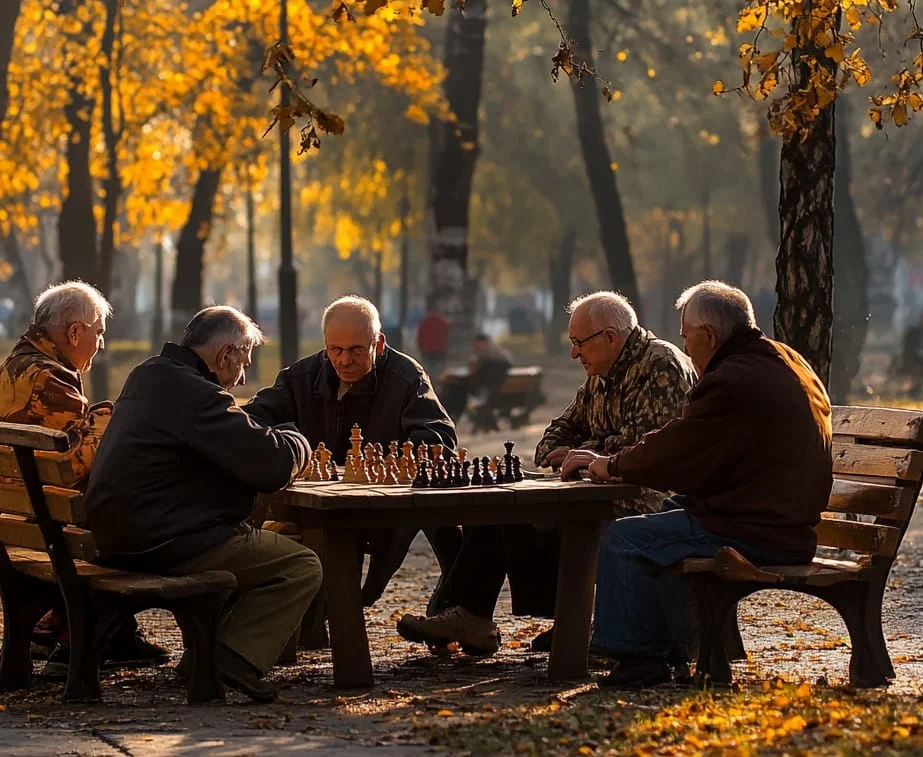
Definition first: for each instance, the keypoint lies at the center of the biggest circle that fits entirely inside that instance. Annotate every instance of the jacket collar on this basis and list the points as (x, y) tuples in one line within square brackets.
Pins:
[(732, 345), (186, 356), (327, 383), (634, 348), (39, 339)]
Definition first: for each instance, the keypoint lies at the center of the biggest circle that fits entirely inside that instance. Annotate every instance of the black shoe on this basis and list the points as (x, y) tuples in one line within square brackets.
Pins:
[(134, 652), (638, 673), (236, 672), (542, 642)]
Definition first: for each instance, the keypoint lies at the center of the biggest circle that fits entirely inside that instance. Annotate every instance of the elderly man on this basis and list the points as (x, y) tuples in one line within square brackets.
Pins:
[(41, 383), (635, 384), (176, 476), (357, 378), (750, 457)]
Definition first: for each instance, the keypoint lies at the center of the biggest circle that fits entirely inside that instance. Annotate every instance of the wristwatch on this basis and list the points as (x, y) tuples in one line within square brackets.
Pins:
[(612, 466)]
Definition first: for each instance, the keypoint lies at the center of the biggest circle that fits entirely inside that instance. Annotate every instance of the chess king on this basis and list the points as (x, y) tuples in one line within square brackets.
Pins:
[(359, 379)]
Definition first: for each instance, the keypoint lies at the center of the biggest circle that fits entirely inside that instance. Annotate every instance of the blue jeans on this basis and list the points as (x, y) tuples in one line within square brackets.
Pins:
[(640, 609)]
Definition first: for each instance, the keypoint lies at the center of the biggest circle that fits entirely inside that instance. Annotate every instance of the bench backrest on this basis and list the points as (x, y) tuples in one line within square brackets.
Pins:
[(39, 508), (877, 471)]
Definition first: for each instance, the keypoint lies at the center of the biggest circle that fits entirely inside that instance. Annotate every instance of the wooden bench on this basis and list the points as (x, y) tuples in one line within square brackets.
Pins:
[(878, 469), (46, 560), (513, 402)]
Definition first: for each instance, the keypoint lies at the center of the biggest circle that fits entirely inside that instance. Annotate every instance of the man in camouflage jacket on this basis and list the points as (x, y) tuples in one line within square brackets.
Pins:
[(635, 384), (41, 384)]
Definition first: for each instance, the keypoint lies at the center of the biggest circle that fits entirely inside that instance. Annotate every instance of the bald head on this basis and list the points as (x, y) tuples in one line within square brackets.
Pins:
[(352, 336), (352, 310)]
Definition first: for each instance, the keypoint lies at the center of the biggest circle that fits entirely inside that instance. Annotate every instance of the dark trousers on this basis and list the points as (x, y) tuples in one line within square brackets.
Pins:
[(527, 554)]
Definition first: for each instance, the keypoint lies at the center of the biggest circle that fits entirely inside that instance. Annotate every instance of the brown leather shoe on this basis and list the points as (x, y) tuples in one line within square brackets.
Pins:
[(476, 636)]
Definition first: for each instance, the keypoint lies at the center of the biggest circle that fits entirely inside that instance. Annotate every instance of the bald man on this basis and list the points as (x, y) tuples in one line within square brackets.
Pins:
[(358, 378)]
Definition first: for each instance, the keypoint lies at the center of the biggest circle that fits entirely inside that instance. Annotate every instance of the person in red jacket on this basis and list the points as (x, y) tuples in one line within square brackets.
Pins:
[(433, 342), (750, 458)]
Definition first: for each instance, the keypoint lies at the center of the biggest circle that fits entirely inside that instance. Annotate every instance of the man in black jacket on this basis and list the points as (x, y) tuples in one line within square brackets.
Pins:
[(175, 478), (359, 379)]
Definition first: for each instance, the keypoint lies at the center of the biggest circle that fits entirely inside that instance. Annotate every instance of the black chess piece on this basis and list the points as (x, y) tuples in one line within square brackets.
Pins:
[(465, 478), (517, 468), (476, 474), (507, 469), (332, 472), (439, 477), (487, 478), (456, 472), (422, 479)]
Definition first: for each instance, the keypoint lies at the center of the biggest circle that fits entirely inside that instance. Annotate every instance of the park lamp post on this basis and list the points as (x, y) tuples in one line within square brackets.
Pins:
[(288, 277)]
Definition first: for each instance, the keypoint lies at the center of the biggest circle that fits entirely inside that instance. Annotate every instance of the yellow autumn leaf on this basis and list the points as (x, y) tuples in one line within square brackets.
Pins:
[(853, 18), (780, 701), (445, 713), (899, 114), (652, 72), (915, 102), (717, 88), (436, 7), (751, 19), (795, 723), (517, 7), (585, 749), (790, 42), (621, 56), (613, 166), (803, 691), (835, 53)]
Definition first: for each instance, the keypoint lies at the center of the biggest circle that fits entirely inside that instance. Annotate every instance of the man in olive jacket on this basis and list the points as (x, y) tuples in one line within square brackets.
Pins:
[(176, 476), (751, 459), (359, 379)]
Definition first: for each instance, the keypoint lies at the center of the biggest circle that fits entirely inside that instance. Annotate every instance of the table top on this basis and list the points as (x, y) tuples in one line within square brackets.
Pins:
[(338, 495)]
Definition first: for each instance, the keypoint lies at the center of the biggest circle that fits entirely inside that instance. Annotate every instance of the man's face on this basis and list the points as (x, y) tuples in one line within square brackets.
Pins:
[(595, 346), (700, 343), (232, 362), (85, 340), (352, 347)]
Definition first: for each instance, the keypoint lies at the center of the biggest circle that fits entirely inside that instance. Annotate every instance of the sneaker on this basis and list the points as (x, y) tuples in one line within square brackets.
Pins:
[(476, 636), (638, 673)]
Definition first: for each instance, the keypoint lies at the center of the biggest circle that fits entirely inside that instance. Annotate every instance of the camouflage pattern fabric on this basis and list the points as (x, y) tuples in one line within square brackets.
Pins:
[(644, 389), (39, 386)]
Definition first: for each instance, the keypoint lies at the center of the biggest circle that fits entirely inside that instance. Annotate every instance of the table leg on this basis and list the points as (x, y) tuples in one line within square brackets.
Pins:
[(313, 632), (574, 604), (349, 642)]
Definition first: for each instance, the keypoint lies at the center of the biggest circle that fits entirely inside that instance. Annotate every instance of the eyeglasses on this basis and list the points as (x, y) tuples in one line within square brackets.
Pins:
[(578, 343)]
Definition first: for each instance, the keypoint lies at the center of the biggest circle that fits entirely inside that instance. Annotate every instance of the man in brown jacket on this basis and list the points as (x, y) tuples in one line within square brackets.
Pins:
[(750, 457), (41, 383)]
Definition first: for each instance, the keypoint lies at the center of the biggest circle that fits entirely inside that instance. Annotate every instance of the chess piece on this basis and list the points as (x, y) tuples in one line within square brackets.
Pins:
[(436, 450), (495, 468), (332, 474), (314, 474), (422, 452), (487, 476), (422, 479), (456, 472), (350, 474), (355, 440), (323, 456), (517, 468), (476, 479), (390, 477), (439, 477), (403, 471), (508, 462), (393, 450), (463, 454), (465, 478)]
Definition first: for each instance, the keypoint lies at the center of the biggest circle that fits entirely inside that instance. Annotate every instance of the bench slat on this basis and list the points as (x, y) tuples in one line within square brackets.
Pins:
[(879, 423), (868, 538), (871, 499), (34, 437), (38, 565), (870, 460), (18, 532), (820, 572), (52, 469), (65, 505)]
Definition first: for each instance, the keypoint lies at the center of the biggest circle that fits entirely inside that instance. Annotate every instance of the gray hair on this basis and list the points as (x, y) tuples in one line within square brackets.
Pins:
[(607, 309), (219, 325), (355, 305), (62, 304), (723, 307)]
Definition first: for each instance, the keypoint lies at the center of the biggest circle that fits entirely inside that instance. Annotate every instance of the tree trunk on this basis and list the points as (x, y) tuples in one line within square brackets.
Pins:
[(188, 276), (112, 186), (804, 264), (76, 224), (9, 12), (850, 295), (559, 270), (456, 154), (612, 230)]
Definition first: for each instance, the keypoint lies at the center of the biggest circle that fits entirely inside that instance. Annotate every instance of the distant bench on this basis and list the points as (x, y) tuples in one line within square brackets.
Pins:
[(45, 557), (520, 393), (878, 470)]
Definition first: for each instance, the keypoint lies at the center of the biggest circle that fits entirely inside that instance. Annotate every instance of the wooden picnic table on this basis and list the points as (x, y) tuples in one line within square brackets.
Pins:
[(336, 510)]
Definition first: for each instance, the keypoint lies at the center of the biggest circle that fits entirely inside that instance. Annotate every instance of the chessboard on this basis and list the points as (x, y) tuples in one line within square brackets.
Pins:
[(428, 466)]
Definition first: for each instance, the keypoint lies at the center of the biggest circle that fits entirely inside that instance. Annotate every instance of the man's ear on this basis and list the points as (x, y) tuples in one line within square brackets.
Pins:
[(712, 336), (380, 345), (73, 333)]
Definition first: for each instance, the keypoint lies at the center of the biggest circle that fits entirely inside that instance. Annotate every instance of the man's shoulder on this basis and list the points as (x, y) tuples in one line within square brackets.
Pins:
[(308, 365), (661, 356), (403, 367)]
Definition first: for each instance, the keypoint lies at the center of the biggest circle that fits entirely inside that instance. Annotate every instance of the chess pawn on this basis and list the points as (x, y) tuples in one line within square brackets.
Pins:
[(377, 473), (403, 471), (439, 476), (465, 478), (422, 479), (393, 450), (487, 477), (390, 477), (436, 450), (314, 475), (407, 450), (494, 465), (422, 451), (323, 456), (332, 474), (349, 469), (456, 472), (463, 454), (517, 468), (476, 479)]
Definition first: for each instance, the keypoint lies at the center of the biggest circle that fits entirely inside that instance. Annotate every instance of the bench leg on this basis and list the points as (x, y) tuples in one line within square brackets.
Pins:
[(91, 622), (733, 641), (289, 653), (574, 602), (860, 610), (349, 642), (715, 604), (25, 601), (200, 620)]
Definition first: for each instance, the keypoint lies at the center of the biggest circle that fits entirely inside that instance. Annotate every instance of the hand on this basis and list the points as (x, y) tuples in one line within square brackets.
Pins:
[(577, 459), (554, 458)]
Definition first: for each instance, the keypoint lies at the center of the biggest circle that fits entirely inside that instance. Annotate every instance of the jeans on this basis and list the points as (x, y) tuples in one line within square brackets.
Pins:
[(642, 610)]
